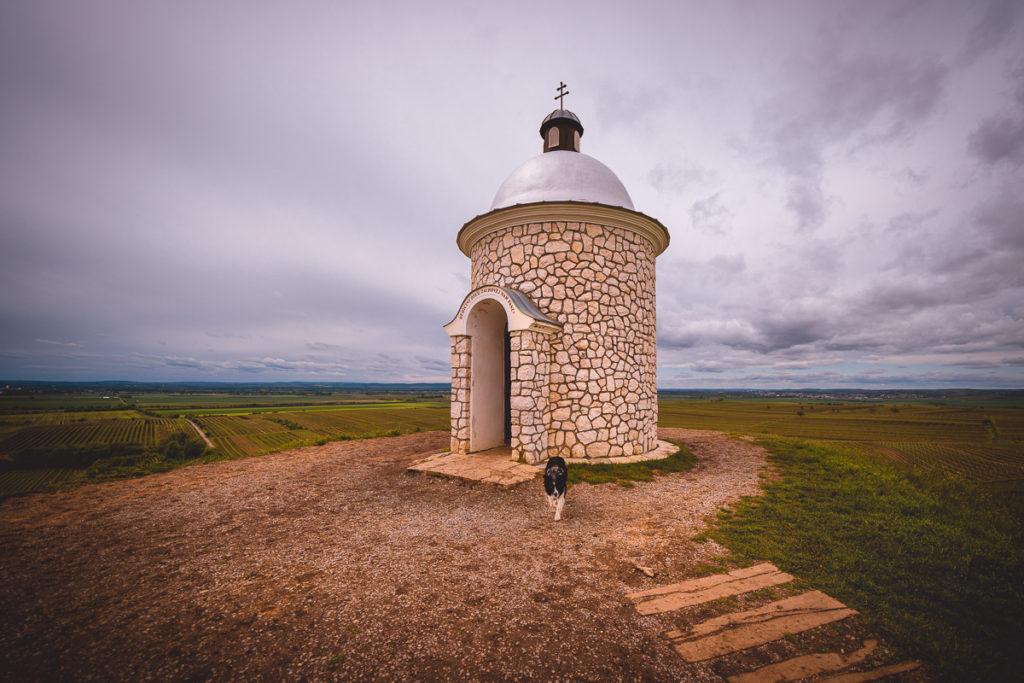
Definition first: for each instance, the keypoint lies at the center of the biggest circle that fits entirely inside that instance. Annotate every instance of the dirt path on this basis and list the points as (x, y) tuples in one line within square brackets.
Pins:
[(333, 562), (200, 432)]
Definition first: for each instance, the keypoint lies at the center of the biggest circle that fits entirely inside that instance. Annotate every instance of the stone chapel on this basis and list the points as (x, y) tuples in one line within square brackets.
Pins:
[(554, 350)]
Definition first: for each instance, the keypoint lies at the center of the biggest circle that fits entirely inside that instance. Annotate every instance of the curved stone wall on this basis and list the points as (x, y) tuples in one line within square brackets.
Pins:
[(598, 281)]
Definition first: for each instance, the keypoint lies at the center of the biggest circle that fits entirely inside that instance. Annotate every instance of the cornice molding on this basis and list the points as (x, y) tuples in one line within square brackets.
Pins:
[(563, 212)]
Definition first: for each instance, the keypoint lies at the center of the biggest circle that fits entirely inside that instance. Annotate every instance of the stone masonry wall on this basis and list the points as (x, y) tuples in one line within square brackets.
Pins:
[(461, 359), (598, 281), (529, 354)]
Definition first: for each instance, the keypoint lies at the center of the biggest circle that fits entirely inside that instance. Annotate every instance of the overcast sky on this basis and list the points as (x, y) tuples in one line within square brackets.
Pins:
[(265, 191)]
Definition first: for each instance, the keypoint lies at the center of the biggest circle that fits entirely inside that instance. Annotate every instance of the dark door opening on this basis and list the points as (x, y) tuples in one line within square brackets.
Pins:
[(508, 386)]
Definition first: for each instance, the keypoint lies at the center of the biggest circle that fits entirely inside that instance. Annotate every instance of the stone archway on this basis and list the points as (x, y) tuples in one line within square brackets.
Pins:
[(499, 373), (487, 328)]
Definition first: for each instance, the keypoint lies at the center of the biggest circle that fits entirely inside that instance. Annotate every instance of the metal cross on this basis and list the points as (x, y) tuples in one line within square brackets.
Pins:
[(561, 86)]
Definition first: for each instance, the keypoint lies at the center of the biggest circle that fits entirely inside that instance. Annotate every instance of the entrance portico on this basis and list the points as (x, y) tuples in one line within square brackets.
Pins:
[(499, 373)]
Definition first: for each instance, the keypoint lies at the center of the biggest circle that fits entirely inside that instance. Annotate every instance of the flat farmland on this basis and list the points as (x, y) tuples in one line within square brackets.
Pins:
[(237, 424), (26, 481), (238, 435), (176, 402), (253, 410), (984, 444), (137, 429)]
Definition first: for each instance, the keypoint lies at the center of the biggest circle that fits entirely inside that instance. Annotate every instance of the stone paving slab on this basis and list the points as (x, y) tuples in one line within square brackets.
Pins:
[(740, 630), (663, 450), (491, 467), (708, 588), (803, 667)]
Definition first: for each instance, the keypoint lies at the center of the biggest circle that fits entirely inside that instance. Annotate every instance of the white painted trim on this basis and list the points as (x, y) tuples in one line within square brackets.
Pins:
[(518, 318), (563, 212)]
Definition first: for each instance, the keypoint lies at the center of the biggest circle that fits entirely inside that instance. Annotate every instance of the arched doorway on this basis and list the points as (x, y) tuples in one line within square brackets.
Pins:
[(490, 415), (499, 397)]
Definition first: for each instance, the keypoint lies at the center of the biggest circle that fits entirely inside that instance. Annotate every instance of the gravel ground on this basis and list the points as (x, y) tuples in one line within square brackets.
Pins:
[(333, 562)]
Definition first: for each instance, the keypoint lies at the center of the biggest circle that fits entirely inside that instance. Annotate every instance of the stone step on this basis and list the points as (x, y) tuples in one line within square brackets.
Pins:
[(873, 674), (491, 467), (808, 665), (708, 588), (740, 630)]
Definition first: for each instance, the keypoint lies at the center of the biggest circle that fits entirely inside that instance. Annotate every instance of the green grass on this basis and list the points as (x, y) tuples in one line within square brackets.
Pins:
[(934, 562), (627, 473), (260, 432), (984, 444)]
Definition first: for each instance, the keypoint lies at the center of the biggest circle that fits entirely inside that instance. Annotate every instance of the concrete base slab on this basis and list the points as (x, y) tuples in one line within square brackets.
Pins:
[(740, 630), (663, 450), (494, 466), (697, 591)]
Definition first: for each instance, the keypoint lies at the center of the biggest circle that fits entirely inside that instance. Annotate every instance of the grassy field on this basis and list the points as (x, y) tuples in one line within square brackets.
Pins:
[(932, 562), (911, 513), (38, 432), (983, 444), (238, 435)]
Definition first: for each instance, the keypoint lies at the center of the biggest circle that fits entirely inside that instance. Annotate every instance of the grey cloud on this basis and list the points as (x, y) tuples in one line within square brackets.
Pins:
[(673, 177), (841, 99), (911, 222), (807, 202), (990, 31), (913, 176), (1002, 218), (323, 346), (635, 107), (59, 343), (439, 365), (989, 364), (710, 215), (711, 366), (999, 139), (756, 330)]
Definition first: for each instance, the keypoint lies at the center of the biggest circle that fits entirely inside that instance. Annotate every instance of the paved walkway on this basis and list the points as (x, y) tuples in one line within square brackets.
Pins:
[(495, 466), (735, 631)]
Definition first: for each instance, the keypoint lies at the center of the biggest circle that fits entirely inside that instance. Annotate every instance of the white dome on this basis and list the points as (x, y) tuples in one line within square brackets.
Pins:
[(562, 176)]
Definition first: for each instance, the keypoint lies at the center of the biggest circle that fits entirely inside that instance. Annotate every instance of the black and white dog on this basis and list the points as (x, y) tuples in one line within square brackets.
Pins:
[(555, 476)]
